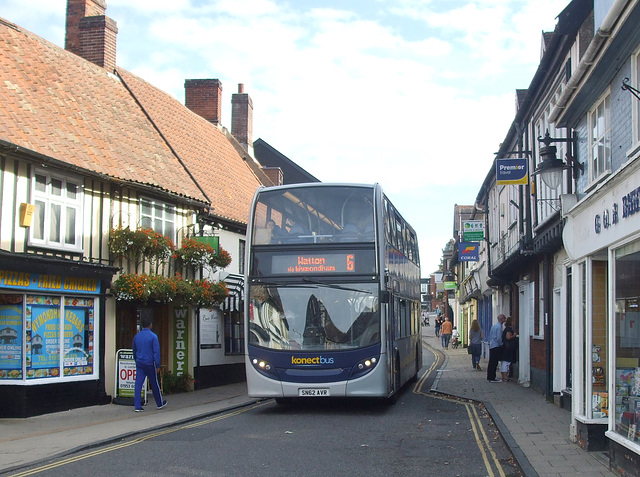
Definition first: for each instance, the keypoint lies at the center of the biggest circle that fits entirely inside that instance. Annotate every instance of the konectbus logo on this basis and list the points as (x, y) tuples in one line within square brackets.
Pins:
[(311, 360)]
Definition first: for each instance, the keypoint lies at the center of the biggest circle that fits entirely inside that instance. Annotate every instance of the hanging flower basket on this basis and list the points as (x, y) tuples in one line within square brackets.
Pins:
[(194, 254), (146, 289), (132, 244)]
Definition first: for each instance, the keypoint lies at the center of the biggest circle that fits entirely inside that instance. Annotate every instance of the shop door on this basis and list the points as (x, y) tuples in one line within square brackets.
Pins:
[(126, 325)]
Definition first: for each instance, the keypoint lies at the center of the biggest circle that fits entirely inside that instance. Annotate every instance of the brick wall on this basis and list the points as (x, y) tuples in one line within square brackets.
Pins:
[(90, 34), (204, 97), (242, 117)]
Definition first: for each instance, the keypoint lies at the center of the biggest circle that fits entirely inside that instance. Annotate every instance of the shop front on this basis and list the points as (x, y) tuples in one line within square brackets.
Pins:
[(51, 335), (602, 239)]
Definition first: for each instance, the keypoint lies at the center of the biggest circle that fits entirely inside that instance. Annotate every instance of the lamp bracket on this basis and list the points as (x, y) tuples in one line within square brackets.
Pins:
[(547, 140), (627, 87)]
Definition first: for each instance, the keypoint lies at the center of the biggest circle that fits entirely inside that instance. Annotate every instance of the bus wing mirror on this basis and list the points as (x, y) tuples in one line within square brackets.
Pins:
[(384, 296)]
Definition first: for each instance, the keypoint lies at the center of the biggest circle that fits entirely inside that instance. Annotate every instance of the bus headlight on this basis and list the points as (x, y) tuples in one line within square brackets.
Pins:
[(363, 367), (263, 367)]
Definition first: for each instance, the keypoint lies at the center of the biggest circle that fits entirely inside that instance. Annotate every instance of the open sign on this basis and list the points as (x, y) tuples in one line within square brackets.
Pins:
[(126, 375)]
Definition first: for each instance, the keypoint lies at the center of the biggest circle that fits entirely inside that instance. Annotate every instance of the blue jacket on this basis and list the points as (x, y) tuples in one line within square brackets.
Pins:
[(146, 348)]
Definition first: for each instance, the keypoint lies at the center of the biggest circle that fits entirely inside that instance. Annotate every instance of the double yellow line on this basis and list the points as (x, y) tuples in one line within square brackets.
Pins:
[(483, 442), (138, 440)]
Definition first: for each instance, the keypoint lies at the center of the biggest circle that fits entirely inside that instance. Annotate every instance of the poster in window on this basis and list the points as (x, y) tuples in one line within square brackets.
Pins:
[(11, 336), (43, 335), (600, 404), (210, 328), (78, 336)]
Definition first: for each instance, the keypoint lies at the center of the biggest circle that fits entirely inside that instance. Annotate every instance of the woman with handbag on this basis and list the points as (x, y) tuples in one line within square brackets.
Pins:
[(509, 346)]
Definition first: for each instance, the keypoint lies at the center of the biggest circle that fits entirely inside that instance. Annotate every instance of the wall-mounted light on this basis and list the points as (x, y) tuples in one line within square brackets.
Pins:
[(551, 168)]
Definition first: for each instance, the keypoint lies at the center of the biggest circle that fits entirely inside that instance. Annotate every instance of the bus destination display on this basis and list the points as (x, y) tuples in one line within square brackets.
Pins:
[(313, 263)]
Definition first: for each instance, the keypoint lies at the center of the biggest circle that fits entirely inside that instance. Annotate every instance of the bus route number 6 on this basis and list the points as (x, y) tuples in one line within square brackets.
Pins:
[(350, 262)]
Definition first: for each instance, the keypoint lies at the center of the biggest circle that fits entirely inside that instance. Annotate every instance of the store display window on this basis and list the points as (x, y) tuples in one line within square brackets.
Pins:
[(46, 336), (11, 336), (627, 341)]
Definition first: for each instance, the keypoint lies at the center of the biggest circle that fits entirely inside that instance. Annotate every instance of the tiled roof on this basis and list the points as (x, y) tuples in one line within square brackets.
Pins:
[(61, 106), (206, 152)]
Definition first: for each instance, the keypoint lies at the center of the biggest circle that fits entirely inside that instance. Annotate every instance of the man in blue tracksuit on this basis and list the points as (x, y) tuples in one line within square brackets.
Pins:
[(146, 353)]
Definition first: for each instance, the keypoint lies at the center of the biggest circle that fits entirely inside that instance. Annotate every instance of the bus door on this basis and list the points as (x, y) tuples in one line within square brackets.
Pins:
[(392, 330)]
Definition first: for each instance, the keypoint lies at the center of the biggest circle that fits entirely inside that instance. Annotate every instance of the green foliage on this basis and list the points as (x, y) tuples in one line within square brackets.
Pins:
[(173, 384), (153, 288)]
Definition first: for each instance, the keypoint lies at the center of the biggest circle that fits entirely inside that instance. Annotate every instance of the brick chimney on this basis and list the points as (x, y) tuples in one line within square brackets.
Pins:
[(90, 34), (242, 118), (204, 97)]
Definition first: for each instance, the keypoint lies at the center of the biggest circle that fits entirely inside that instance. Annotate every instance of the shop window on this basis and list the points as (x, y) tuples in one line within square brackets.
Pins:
[(593, 330), (158, 216), (599, 340), (600, 139), (11, 336), (627, 341), (57, 217), (54, 336)]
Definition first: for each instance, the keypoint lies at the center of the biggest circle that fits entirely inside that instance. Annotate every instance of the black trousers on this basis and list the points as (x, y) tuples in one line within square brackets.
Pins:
[(494, 357)]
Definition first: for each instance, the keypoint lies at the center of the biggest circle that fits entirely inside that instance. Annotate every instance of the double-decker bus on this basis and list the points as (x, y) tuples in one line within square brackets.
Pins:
[(332, 297)]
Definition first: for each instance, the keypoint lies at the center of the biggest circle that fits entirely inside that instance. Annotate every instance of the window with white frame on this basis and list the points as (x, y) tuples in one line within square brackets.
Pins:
[(159, 216), (57, 217), (600, 138)]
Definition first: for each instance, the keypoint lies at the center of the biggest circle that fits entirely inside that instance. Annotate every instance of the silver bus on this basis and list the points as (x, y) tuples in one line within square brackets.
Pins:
[(332, 303)]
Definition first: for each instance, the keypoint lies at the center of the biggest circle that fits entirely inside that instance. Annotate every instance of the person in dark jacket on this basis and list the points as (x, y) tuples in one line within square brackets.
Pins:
[(146, 353)]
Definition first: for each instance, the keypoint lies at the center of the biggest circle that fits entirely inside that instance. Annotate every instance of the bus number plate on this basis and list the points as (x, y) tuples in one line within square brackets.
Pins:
[(313, 392)]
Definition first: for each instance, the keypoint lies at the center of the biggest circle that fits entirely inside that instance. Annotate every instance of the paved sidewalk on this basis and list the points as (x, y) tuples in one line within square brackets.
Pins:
[(536, 431)]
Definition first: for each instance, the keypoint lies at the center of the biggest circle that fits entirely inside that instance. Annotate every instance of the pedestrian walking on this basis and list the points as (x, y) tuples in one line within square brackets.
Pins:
[(509, 344), (445, 331), (476, 336), (495, 349), (146, 353), (455, 338), (438, 324)]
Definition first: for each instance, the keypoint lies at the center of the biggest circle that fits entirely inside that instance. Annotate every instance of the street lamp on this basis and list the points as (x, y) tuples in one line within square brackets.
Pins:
[(551, 168)]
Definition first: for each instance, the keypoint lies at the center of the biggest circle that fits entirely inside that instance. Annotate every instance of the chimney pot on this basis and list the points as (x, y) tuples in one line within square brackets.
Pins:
[(240, 88)]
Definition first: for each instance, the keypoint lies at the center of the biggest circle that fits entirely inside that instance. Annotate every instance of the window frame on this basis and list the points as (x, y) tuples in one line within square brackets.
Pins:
[(150, 221), (602, 170), (48, 198)]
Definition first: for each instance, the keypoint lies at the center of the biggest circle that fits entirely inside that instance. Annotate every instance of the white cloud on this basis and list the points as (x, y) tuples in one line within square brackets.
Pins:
[(414, 94)]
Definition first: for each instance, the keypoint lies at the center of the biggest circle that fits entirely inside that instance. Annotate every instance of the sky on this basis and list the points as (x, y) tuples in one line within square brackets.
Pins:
[(416, 95)]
